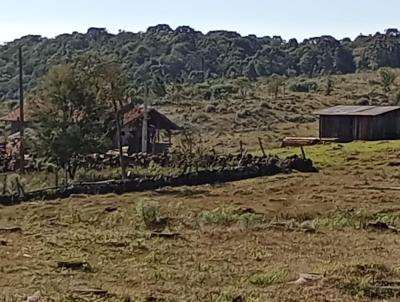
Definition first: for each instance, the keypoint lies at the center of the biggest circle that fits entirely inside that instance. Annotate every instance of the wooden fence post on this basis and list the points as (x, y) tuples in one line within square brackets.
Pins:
[(261, 147), (303, 153)]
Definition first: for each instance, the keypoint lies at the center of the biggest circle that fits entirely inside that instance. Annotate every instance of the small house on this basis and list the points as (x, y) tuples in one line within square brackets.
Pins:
[(13, 119), (159, 134), (347, 123)]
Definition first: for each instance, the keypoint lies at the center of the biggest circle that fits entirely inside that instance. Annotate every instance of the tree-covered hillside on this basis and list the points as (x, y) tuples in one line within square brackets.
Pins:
[(186, 55)]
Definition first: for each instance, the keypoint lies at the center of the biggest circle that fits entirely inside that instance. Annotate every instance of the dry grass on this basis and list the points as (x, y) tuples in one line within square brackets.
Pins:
[(226, 248), (234, 119)]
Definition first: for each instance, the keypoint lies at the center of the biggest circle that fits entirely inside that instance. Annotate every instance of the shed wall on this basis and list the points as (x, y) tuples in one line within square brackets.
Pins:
[(336, 126), (347, 128)]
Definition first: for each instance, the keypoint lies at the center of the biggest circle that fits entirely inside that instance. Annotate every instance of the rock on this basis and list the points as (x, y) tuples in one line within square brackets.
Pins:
[(36, 297), (238, 299), (210, 108), (11, 230), (308, 278), (110, 209), (75, 265), (381, 226)]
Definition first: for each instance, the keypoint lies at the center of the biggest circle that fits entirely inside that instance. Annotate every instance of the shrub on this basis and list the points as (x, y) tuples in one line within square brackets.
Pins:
[(299, 118), (363, 102), (84, 175), (265, 104), (242, 114), (306, 86), (149, 211), (387, 79), (221, 90), (210, 108), (269, 278)]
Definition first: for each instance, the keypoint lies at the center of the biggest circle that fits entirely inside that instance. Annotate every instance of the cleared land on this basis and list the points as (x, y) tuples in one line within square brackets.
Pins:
[(229, 243), (248, 239)]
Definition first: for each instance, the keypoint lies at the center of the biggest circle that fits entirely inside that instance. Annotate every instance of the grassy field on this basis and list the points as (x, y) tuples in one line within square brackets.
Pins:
[(221, 124), (243, 241)]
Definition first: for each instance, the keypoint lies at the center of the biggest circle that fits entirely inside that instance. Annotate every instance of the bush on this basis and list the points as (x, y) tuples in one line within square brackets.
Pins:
[(84, 175), (303, 86), (299, 118), (221, 90), (149, 211), (202, 90), (270, 278), (363, 102), (243, 114), (265, 105), (210, 108)]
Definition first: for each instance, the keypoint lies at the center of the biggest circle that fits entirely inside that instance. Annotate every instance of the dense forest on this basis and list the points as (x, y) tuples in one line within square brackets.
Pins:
[(187, 55)]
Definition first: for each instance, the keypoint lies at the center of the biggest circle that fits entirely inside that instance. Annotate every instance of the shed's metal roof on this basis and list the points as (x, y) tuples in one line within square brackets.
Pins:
[(357, 110)]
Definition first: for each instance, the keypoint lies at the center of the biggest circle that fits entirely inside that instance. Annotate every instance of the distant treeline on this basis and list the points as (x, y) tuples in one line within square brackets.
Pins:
[(187, 55)]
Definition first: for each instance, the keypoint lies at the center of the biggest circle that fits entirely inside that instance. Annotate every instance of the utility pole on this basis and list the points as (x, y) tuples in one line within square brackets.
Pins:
[(21, 113), (120, 150), (145, 121), (119, 119)]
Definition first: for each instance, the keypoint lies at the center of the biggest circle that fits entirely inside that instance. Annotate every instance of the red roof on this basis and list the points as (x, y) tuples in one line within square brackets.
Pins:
[(13, 116), (135, 115)]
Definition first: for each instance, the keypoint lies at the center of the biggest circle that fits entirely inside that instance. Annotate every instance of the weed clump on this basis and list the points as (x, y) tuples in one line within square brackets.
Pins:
[(150, 213), (269, 278), (371, 280)]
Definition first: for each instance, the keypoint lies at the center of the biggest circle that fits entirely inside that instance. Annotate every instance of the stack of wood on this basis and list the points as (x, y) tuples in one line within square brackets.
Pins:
[(304, 141)]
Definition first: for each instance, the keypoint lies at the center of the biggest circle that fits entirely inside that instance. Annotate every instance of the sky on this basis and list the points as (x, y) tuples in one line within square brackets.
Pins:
[(288, 18)]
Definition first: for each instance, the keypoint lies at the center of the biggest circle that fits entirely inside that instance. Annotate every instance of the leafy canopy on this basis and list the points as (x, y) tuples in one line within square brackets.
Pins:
[(72, 116)]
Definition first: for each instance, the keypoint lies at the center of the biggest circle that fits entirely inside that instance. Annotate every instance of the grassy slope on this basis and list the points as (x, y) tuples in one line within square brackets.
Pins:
[(221, 253), (272, 119)]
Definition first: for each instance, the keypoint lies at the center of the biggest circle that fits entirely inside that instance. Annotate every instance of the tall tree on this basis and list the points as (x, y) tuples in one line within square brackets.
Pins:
[(274, 84), (113, 90), (69, 119)]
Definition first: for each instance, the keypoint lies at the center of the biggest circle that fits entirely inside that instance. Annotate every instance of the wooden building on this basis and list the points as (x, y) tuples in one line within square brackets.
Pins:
[(12, 118), (347, 123), (160, 129)]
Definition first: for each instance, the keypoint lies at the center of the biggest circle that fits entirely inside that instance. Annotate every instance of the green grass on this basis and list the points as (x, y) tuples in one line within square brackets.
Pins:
[(357, 218), (335, 153), (43, 179), (269, 278)]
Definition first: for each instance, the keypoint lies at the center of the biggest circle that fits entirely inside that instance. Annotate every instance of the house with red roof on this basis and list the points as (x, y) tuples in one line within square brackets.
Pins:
[(160, 129)]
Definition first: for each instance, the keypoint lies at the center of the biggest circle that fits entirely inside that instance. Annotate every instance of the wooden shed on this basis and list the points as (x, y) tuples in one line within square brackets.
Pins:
[(347, 123), (158, 124)]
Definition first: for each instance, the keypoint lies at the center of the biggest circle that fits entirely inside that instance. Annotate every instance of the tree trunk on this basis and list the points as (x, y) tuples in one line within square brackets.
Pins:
[(119, 137)]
